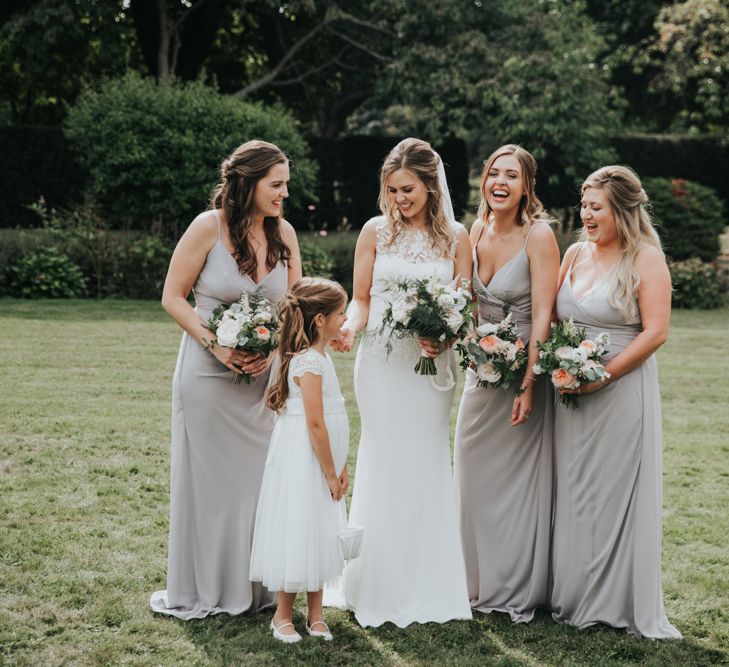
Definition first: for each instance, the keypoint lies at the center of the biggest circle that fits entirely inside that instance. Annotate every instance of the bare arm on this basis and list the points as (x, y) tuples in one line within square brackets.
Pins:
[(543, 253), (359, 307), (288, 234), (311, 392), (654, 303)]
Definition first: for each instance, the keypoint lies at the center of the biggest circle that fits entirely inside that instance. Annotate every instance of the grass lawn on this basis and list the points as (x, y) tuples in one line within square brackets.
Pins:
[(84, 470)]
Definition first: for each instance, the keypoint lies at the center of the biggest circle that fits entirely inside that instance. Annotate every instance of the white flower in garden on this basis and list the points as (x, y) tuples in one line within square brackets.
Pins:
[(228, 332), (488, 372)]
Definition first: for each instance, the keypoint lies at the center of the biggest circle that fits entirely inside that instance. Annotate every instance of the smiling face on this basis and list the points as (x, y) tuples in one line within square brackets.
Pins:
[(598, 217), (503, 187), (332, 324), (408, 193), (271, 190)]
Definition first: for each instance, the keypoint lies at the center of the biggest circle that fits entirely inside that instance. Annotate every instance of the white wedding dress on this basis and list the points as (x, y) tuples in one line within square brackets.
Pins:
[(411, 568)]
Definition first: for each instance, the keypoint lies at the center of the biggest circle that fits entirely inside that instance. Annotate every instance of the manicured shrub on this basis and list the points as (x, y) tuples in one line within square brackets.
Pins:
[(45, 273), (315, 261), (153, 151), (689, 217), (695, 285)]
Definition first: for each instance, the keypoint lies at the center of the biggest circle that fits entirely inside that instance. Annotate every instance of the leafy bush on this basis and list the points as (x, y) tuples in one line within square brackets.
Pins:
[(153, 151), (338, 247), (315, 261), (44, 273), (141, 267), (689, 217), (695, 285)]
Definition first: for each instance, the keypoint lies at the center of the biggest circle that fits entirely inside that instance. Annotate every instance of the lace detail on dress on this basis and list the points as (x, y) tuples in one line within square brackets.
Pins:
[(306, 362), (412, 245)]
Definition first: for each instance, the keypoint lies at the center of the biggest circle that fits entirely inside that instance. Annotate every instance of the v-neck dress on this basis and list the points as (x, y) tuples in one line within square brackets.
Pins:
[(220, 435), (606, 540), (504, 473)]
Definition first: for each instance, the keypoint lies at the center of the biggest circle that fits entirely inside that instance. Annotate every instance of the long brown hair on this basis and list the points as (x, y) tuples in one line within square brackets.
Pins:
[(416, 156), (530, 208), (629, 204), (306, 299), (234, 194)]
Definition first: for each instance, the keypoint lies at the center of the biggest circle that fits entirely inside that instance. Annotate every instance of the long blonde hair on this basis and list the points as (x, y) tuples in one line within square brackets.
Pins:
[(417, 156), (628, 203), (234, 194), (306, 299), (531, 208)]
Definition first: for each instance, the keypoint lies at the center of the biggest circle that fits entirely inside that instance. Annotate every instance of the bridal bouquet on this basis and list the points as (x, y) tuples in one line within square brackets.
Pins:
[(427, 308), (249, 324), (571, 358), (495, 352)]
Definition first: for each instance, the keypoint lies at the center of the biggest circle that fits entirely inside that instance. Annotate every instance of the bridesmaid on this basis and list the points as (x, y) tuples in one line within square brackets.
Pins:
[(220, 430), (503, 462), (606, 542)]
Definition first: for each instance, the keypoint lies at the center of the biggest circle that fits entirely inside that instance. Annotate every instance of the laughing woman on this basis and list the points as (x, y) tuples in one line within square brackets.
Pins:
[(606, 542), (220, 430), (503, 449)]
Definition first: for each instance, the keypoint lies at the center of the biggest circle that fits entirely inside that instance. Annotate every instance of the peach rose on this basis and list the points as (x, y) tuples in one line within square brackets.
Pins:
[(519, 344), (490, 344), (563, 380), (588, 346), (263, 333)]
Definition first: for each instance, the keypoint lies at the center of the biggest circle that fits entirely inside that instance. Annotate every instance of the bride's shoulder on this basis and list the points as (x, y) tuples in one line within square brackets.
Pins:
[(374, 224)]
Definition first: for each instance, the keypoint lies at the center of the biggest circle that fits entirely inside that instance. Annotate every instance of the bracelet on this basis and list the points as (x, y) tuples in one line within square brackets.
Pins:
[(528, 378), (208, 344)]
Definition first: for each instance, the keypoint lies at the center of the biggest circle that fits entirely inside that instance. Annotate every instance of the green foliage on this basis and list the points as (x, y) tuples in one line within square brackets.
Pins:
[(695, 285), (495, 73), (153, 151), (689, 217), (315, 261), (45, 273), (140, 267), (688, 56)]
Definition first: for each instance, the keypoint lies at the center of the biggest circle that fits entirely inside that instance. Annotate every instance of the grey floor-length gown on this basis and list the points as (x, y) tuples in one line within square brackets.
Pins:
[(504, 473), (220, 435), (606, 541)]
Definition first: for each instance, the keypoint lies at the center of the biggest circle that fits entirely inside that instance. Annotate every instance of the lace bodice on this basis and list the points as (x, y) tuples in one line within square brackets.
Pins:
[(411, 255), (312, 361)]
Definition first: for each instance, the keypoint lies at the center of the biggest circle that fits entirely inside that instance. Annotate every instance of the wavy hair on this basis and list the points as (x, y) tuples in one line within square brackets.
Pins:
[(416, 156), (306, 299), (234, 194), (629, 204), (531, 208)]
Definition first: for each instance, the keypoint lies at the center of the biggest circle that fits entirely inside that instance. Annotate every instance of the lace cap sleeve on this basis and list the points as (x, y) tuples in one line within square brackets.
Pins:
[(307, 362)]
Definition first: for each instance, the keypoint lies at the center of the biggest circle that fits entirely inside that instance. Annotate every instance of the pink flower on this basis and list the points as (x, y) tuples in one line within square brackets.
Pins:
[(263, 333), (490, 344), (588, 346), (564, 380), (519, 344)]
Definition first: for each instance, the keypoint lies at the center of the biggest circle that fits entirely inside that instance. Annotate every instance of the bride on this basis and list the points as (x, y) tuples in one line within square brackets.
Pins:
[(411, 568)]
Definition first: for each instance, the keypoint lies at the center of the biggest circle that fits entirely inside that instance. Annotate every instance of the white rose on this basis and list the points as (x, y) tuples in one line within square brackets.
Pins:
[(538, 370), (401, 310), (264, 316), (580, 354), (509, 350), (565, 352), (488, 372), (227, 333), (454, 320), (446, 300), (487, 329)]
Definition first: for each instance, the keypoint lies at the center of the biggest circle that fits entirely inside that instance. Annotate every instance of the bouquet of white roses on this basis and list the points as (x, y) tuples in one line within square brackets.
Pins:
[(495, 352), (249, 324), (427, 308), (571, 358)]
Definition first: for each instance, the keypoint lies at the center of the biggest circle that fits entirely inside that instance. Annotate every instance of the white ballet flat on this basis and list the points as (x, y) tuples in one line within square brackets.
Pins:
[(286, 639), (327, 636)]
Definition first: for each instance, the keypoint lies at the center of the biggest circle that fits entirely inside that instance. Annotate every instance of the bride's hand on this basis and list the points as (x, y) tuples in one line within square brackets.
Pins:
[(345, 342), (430, 347)]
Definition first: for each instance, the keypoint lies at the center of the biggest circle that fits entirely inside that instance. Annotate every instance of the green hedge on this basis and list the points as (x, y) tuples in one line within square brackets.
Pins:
[(689, 217), (153, 151), (36, 162), (696, 285)]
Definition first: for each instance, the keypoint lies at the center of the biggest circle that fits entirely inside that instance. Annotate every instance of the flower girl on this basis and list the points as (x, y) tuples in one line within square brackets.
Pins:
[(301, 506)]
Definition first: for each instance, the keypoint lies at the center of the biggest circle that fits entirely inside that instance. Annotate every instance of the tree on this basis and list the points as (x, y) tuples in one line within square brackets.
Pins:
[(689, 58)]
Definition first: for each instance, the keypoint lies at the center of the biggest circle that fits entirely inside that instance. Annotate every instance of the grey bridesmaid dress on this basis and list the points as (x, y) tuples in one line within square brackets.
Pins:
[(504, 473), (606, 539), (220, 434)]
